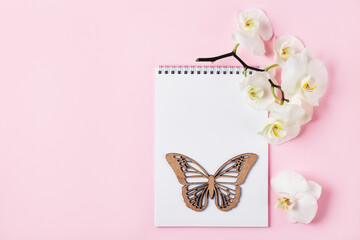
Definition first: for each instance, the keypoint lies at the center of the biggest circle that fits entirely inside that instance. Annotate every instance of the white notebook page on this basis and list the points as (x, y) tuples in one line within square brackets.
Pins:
[(204, 116)]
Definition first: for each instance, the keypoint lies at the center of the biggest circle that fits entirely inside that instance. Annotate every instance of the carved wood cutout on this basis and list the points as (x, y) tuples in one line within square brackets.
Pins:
[(199, 185)]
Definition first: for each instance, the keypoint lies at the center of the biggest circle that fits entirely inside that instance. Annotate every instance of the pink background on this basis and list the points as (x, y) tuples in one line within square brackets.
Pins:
[(77, 114)]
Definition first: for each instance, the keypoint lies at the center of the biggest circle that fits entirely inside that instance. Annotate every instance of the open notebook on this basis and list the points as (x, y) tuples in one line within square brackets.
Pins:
[(201, 113)]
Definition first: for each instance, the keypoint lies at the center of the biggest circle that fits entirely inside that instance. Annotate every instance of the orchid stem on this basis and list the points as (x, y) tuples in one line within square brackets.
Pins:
[(235, 48), (274, 94), (271, 66), (230, 54), (273, 85), (246, 67), (213, 59), (283, 98)]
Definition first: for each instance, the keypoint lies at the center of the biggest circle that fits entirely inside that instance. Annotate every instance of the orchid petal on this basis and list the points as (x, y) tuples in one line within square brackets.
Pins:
[(314, 189), (309, 53), (304, 210), (288, 113), (293, 71), (251, 43), (317, 70), (308, 108), (289, 182), (265, 28)]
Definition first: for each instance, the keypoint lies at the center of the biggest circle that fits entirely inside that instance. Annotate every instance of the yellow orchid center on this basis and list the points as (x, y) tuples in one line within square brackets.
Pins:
[(249, 23), (275, 129), (285, 52), (255, 93), (308, 84), (285, 203)]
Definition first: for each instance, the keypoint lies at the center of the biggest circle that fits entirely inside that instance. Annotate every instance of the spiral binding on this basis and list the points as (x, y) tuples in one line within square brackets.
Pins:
[(195, 70)]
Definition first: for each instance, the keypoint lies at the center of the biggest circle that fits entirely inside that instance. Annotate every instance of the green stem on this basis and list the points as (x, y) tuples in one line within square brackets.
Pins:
[(274, 94), (271, 66), (245, 70), (283, 99), (235, 48)]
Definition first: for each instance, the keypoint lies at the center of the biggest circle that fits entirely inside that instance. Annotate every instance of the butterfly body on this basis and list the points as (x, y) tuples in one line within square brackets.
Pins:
[(211, 183), (199, 186)]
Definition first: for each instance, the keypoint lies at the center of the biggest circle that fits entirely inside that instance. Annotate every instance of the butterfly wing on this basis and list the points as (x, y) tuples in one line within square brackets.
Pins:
[(194, 178), (231, 174)]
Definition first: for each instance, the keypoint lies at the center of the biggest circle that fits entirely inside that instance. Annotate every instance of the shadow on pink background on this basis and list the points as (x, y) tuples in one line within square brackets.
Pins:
[(77, 114)]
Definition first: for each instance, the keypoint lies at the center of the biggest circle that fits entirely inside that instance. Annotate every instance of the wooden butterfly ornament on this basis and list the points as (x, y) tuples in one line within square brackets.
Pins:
[(199, 185)]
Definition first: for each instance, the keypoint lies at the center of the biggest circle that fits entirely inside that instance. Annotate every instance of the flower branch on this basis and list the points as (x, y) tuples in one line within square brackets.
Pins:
[(271, 66), (273, 85), (230, 54), (303, 77), (246, 67)]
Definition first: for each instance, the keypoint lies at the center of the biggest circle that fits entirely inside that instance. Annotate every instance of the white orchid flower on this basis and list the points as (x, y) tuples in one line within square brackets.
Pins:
[(257, 90), (306, 76), (285, 47), (254, 27), (277, 131), (283, 123), (297, 196)]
